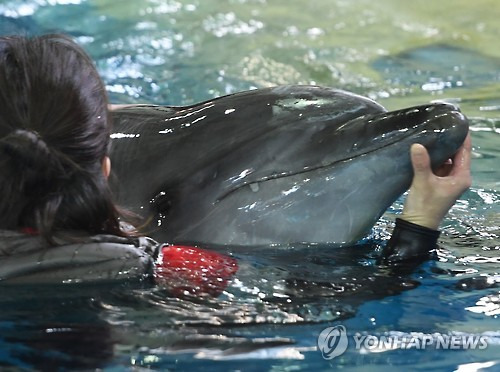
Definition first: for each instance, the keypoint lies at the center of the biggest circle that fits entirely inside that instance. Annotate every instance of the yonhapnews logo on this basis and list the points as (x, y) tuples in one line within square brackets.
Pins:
[(334, 341)]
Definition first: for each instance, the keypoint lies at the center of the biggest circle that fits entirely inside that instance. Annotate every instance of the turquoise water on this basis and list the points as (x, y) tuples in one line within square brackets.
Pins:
[(181, 52)]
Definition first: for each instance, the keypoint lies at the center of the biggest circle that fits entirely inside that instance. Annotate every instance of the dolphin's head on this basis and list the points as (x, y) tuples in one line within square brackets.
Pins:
[(353, 173), (320, 170)]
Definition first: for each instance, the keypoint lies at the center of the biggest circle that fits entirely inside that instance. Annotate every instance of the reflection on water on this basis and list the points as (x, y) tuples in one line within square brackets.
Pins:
[(434, 68), (184, 51)]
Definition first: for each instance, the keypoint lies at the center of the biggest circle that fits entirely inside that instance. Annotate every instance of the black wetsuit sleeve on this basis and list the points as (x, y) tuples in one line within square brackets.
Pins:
[(409, 242)]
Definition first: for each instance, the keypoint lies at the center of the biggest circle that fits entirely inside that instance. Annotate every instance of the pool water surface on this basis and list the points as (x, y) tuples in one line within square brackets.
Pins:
[(182, 52)]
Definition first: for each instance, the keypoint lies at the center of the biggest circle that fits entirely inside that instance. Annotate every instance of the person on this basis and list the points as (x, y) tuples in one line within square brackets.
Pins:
[(54, 140), (54, 130)]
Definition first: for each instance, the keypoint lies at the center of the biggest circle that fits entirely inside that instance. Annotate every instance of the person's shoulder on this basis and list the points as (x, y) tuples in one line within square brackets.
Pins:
[(74, 258)]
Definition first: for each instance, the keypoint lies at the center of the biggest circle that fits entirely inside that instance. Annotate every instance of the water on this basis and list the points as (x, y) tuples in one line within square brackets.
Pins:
[(181, 52)]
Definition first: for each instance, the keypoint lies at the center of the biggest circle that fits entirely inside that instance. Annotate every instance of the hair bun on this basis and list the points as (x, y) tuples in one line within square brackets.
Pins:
[(27, 148)]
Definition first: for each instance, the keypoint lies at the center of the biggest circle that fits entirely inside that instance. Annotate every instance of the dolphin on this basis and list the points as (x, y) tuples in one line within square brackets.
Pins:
[(273, 166)]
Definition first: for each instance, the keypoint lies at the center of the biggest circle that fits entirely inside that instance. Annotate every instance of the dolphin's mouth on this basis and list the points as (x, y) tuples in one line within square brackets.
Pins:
[(310, 169), (404, 133)]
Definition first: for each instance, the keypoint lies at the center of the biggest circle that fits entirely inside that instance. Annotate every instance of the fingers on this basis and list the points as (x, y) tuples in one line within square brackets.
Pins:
[(466, 153), (420, 160), (466, 161), (457, 173), (462, 159), (444, 169)]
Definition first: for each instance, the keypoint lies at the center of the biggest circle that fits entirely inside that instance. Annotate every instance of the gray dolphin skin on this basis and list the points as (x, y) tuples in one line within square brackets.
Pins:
[(274, 166)]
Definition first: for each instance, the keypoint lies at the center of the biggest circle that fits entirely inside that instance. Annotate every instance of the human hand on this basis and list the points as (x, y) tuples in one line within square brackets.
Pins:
[(432, 194)]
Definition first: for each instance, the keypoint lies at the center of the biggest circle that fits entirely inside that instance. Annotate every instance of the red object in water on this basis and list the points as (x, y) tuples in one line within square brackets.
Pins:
[(29, 231), (185, 270)]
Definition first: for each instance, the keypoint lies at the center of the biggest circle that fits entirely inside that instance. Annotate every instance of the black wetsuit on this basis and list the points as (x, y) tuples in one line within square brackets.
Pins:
[(26, 258), (409, 242)]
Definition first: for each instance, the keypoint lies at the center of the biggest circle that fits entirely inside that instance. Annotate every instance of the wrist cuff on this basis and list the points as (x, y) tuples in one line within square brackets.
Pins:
[(409, 241)]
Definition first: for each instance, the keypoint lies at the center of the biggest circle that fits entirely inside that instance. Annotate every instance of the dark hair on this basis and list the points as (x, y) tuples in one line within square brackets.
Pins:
[(54, 134)]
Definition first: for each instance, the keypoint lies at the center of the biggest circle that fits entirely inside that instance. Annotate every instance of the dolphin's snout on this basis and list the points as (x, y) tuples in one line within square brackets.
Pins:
[(451, 126)]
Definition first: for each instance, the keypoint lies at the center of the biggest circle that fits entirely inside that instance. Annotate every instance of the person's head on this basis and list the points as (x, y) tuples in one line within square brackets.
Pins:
[(54, 139)]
